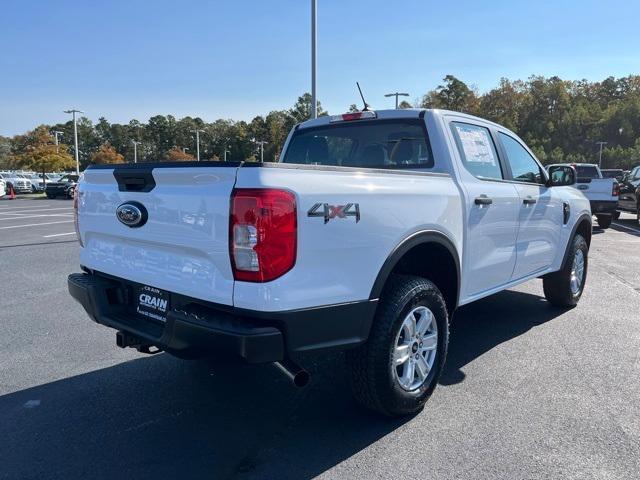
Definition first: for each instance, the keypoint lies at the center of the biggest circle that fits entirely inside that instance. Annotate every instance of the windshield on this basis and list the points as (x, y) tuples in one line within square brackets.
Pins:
[(398, 143), (587, 171)]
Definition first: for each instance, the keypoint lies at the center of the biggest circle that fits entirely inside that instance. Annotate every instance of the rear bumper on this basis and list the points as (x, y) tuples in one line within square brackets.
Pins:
[(195, 328), (603, 206)]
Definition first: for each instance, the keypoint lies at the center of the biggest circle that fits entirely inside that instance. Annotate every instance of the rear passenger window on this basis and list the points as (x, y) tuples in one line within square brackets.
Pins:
[(477, 150)]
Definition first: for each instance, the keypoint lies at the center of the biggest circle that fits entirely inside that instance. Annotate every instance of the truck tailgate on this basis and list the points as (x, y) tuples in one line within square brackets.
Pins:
[(596, 189), (182, 247)]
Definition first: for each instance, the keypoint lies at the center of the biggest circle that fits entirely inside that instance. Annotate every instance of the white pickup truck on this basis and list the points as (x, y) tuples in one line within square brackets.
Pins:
[(367, 235), (602, 193)]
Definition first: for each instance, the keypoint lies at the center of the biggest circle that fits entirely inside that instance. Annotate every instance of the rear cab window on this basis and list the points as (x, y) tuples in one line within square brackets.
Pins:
[(586, 172), (394, 143)]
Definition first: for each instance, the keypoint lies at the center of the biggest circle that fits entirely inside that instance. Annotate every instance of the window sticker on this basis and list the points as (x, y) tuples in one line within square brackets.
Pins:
[(476, 145)]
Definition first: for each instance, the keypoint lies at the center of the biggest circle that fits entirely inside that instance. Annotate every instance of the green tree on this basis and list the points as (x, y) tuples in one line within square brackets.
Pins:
[(454, 95)]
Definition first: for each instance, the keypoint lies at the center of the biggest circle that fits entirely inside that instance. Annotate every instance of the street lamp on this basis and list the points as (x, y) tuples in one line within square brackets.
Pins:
[(262, 143), (55, 135), (600, 157), (73, 111), (197, 132), (225, 152), (314, 38), (135, 150), (396, 94)]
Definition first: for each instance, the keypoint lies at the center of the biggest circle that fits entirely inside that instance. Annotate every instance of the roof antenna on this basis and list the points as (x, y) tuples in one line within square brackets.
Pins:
[(366, 105)]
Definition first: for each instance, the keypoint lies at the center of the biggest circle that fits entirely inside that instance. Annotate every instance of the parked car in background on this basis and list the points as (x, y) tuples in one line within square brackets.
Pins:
[(616, 173), (17, 181), (3, 188), (63, 187), (601, 192), (630, 193), (39, 181)]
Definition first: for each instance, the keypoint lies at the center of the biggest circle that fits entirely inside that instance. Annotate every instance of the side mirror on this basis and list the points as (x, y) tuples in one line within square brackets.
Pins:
[(562, 175)]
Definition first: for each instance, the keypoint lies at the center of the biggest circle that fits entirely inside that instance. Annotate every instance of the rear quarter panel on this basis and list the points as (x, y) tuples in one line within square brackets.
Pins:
[(338, 261)]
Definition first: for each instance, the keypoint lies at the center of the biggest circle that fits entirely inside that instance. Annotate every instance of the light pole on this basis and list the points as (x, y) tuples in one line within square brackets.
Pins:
[(197, 132), (135, 150), (314, 38), (55, 135), (262, 143), (73, 111), (396, 94), (600, 157), (225, 152)]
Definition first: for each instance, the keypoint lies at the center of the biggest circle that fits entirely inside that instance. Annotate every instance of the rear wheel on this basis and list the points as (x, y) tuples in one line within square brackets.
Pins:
[(398, 368), (604, 221), (638, 213), (564, 287)]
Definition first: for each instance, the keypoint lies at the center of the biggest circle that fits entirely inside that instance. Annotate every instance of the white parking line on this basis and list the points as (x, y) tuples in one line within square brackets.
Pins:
[(626, 227), (58, 234), (35, 224), (37, 216), (7, 206), (21, 212)]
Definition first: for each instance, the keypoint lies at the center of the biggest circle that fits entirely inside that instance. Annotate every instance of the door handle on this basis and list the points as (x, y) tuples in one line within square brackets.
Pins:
[(483, 200), (529, 201)]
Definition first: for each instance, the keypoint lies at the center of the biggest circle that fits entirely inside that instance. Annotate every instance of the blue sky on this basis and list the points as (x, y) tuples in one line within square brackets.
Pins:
[(237, 59)]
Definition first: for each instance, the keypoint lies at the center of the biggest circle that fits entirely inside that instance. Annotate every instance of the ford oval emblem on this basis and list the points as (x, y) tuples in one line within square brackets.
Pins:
[(132, 214)]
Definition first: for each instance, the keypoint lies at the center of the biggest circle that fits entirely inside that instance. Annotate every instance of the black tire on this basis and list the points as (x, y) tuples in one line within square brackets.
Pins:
[(374, 384), (557, 285), (604, 221), (616, 215), (638, 214)]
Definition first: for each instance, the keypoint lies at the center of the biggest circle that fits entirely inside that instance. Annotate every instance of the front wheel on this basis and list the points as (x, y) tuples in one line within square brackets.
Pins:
[(396, 371), (604, 221), (564, 287)]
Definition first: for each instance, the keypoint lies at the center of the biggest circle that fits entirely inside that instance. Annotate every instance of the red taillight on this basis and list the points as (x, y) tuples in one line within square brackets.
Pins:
[(262, 233), (615, 191), (75, 214)]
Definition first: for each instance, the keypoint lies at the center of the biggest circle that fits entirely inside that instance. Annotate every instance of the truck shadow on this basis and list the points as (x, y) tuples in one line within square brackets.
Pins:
[(163, 417), (478, 327)]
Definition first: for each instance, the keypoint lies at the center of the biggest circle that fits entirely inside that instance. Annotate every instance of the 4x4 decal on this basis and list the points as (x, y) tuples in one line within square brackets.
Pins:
[(329, 212)]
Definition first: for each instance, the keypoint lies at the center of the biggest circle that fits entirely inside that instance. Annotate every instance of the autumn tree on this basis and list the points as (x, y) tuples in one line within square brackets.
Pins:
[(106, 154), (175, 154), (36, 151)]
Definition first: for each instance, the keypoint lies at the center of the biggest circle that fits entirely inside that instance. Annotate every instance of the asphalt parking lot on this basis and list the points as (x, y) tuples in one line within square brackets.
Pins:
[(528, 391)]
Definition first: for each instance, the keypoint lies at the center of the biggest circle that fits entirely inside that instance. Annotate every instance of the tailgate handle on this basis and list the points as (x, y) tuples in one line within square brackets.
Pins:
[(134, 179)]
